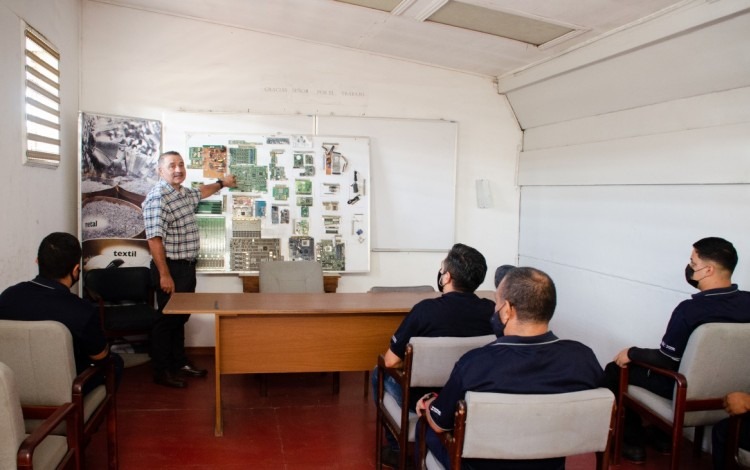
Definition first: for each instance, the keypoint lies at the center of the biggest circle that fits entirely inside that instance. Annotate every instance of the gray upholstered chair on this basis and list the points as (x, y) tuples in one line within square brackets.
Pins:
[(40, 353), (377, 289), (40, 449), (428, 362), (506, 426), (291, 277), (715, 363)]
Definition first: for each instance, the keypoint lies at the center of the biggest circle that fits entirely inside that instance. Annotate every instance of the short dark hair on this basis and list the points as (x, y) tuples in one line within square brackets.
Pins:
[(500, 273), (58, 254), (169, 153), (467, 267), (717, 250), (531, 292)]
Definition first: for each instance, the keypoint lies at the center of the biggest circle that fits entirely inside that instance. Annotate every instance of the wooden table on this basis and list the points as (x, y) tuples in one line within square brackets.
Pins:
[(267, 333)]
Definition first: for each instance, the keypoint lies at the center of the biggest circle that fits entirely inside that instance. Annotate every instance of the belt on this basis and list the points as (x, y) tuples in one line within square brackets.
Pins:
[(189, 262)]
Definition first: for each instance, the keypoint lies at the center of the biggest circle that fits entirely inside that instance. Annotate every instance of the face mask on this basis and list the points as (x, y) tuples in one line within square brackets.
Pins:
[(439, 284), (497, 327), (689, 272)]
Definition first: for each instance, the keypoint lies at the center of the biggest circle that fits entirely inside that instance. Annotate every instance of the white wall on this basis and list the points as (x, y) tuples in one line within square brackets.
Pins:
[(36, 201), (634, 148), (139, 63)]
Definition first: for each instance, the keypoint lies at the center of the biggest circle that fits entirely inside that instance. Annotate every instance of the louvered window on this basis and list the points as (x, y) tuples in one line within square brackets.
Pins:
[(42, 86)]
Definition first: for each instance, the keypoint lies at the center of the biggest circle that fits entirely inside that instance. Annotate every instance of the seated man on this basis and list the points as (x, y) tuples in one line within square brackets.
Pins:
[(712, 263), (736, 403), (528, 359), (458, 312), (48, 297)]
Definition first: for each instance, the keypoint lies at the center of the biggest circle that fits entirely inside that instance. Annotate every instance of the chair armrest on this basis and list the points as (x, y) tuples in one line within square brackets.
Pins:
[(88, 374), (65, 412), (397, 373), (679, 379), (716, 403)]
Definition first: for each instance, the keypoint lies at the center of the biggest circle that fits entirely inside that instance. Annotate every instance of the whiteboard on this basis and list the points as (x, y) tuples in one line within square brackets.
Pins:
[(413, 179)]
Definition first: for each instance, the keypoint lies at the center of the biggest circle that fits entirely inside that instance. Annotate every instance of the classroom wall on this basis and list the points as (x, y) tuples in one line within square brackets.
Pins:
[(146, 64), (36, 201), (635, 147)]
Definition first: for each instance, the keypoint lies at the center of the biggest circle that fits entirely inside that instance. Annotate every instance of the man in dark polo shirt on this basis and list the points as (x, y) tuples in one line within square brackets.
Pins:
[(527, 359), (48, 297), (458, 312), (712, 263)]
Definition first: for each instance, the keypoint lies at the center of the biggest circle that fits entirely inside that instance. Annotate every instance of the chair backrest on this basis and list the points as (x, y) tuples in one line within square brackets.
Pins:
[(509, 426), (291, 277), (40, 353), (716, 360), (433, 358), (117, 285), (11, 419), (378, 289)]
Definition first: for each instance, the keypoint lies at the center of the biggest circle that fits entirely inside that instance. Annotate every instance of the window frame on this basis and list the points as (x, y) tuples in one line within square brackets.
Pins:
[(45, 97)]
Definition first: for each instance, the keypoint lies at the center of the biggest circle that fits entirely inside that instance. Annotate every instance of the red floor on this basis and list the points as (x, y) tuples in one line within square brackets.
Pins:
[(299, 425)]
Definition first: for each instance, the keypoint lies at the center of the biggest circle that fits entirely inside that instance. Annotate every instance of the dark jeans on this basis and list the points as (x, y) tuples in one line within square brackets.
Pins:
[(168, 332), (640, 377)]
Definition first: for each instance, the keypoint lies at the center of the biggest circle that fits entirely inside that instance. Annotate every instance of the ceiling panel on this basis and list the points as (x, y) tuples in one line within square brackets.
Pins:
[(404, 31)]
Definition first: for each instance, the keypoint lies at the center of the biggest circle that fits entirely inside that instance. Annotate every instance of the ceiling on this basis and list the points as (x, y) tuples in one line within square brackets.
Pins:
[(416, 30)]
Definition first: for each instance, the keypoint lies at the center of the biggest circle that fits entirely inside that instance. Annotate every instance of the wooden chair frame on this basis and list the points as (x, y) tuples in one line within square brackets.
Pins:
[(66, 413), (681, 406)]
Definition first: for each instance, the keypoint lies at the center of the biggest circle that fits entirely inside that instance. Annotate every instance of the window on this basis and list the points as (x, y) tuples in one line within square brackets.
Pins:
[(42, 104)]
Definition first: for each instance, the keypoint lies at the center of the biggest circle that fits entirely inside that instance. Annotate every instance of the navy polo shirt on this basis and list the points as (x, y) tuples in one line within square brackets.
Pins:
[(541, 364), (726, 305), (45, 299), (452, 314)]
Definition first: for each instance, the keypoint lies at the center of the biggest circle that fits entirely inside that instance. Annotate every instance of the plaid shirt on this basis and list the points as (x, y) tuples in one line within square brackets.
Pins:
[(170, 214)]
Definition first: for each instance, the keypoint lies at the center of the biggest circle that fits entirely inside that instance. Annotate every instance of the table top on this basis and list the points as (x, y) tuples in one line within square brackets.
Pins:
[(302, 304)]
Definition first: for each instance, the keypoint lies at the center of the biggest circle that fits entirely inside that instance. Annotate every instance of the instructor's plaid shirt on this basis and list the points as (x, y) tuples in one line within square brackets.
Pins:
[(170, 214)]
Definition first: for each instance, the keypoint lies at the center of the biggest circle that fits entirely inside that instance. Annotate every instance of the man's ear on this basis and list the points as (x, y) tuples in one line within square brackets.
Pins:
[(447, 277)]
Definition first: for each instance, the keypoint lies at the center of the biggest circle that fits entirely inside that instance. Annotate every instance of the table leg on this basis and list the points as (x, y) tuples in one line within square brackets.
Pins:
[(219, 425)]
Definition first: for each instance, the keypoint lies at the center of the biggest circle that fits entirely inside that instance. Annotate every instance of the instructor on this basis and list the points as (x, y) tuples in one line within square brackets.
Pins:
[(174, 240)]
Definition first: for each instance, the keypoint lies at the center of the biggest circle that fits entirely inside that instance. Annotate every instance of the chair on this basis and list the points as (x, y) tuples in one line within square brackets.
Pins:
[(291, 277), (381, 289), (40, 353), (714, 364), (40, 449), (125, 298), (377, 289), (507, 426), (428, 362)]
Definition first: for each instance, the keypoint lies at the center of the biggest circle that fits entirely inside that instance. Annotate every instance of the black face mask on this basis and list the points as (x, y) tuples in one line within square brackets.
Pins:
[(497, 326), (689, 271), (439, 284)]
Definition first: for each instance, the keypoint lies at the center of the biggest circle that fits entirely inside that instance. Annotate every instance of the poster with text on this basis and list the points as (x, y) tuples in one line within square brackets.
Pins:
[(118, 163)]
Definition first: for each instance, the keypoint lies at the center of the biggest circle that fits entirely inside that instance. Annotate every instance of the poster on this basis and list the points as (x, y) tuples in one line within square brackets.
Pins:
[(298, 198), (118, 166)]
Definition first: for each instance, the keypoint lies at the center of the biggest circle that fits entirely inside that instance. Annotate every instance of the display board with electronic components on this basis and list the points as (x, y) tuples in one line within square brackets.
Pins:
[(298, 197)]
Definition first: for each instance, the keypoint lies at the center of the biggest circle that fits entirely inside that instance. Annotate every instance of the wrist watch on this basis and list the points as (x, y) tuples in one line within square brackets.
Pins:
[(221, 183)]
